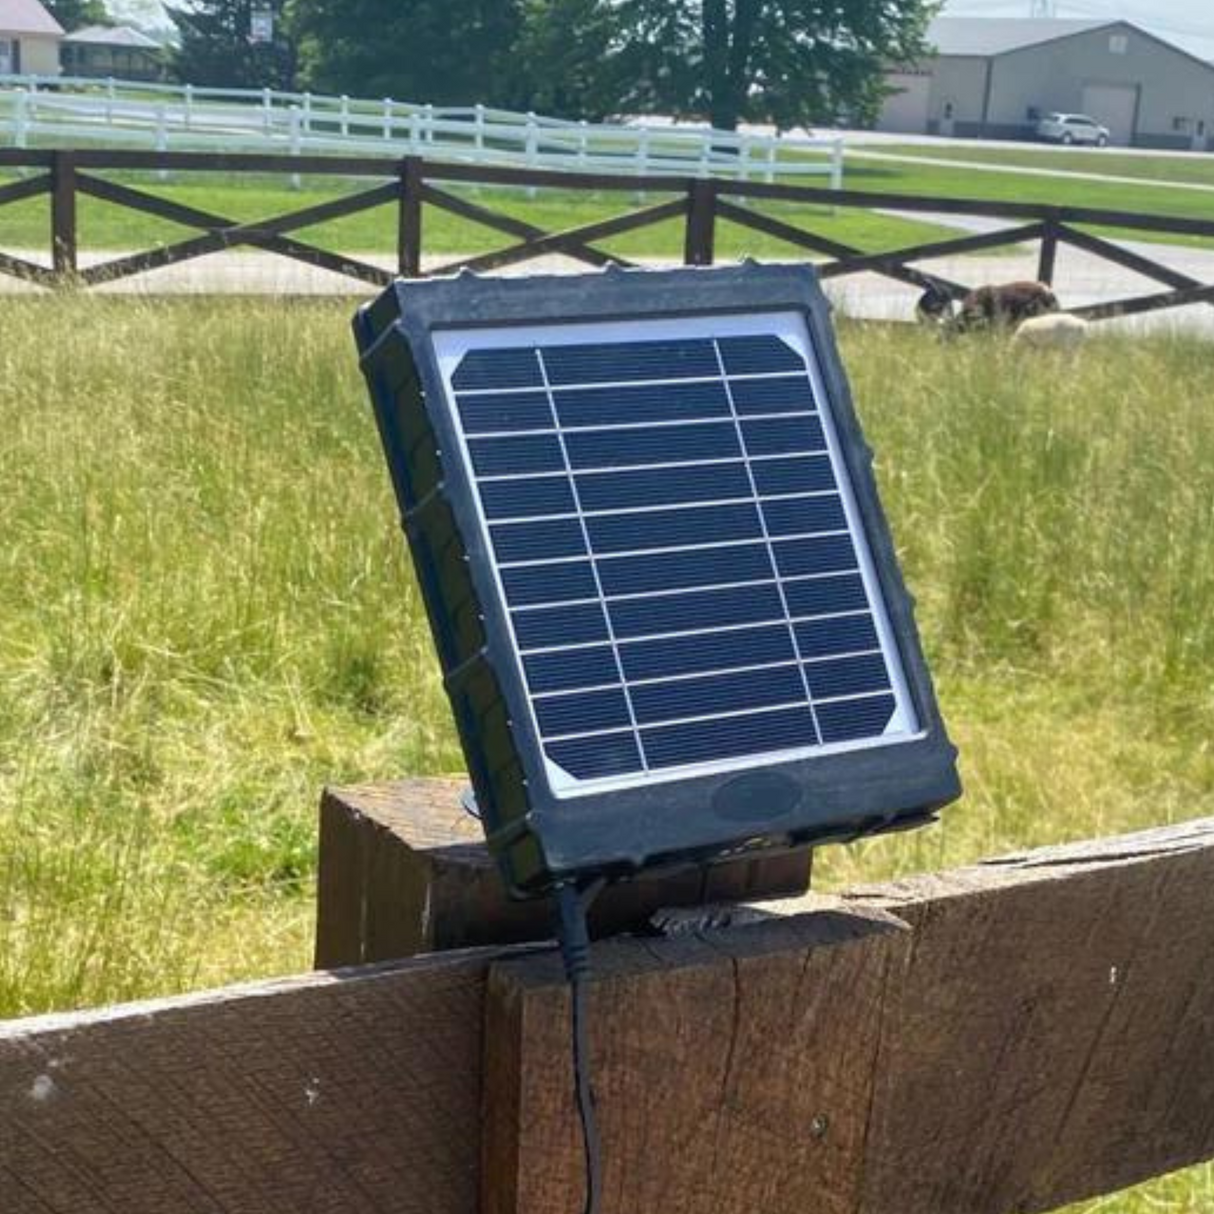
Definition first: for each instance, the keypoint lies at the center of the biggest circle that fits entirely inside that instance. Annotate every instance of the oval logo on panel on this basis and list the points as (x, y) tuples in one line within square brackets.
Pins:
[(755, 795)]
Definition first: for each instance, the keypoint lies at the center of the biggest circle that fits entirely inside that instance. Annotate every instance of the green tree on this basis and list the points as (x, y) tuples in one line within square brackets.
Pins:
[(791, 62), (218, 46), (451, 52), (564, 62), (76, 14)]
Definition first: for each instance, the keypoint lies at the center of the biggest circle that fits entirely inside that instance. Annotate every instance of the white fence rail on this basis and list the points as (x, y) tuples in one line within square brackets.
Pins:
[(186, 117)]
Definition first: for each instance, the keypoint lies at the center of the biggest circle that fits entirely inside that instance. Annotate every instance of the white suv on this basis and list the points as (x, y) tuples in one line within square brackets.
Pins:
[(1072, 128)]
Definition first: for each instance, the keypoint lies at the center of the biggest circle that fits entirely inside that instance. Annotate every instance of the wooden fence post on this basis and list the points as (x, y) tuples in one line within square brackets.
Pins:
[(63, 217), (409, 233), (699, 234), (1011, 1037), (1049, 251), (404, 870)]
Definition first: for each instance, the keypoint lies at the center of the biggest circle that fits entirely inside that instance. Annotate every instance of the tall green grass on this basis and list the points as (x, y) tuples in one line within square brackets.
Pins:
[(206, 613)]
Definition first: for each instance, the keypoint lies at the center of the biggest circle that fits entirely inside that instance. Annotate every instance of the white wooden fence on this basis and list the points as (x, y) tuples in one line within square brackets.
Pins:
[(41, 109)]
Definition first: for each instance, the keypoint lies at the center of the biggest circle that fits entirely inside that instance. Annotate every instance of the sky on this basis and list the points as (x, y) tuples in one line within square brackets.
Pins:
[(1188, 23)]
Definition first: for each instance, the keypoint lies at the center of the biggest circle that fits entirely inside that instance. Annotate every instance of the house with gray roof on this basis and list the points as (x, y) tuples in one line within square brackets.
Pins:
[(113, 50), (994, 78), (29, 38)]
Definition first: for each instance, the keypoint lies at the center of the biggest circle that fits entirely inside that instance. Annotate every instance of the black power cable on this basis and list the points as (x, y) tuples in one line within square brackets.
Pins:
[(572, 904)]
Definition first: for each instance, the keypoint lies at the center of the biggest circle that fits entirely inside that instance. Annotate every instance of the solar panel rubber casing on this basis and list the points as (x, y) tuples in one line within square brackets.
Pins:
[(661, 585)]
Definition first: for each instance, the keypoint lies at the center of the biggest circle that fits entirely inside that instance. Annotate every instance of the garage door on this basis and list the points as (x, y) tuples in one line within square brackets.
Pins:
[(1114, 106), (906, 110)]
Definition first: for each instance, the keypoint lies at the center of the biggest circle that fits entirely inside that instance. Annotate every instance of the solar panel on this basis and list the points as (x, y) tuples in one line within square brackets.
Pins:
[(646, 528)]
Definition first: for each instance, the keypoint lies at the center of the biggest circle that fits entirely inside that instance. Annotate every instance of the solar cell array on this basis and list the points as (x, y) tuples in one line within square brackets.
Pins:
[(676, 547)]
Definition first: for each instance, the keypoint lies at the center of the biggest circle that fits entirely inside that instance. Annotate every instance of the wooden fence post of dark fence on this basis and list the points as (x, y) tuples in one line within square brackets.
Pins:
[(1005, 1038), (699, 243), (404, 870), (1002, 1040), (1048, 261), (64, 250), (409, 238)]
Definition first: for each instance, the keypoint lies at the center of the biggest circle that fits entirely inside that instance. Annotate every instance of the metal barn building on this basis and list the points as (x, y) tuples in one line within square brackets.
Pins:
[(995, 77)]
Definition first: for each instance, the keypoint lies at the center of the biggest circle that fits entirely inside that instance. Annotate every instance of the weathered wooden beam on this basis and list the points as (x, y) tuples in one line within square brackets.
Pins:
[(573, 242), (1047, 258), (1148, 267), (1006, 1038), (845, 254), (699, 233), (404, 870), (409, 218), (475, 213), (896, 258), (18, 267), (1140, 305), (333, 1093), (28, 187), (224, 233), (63, 217)]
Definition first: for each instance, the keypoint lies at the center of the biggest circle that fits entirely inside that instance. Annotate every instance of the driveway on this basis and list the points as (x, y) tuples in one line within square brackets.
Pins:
[(1082, 278)]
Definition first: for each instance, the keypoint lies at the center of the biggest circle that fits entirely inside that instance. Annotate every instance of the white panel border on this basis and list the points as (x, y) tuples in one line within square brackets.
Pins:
[(451, 345)]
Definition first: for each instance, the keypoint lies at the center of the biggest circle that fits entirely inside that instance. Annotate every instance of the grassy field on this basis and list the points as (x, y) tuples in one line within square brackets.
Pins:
[(1190, 169), (962, 182), (206, 614), (26, 225)]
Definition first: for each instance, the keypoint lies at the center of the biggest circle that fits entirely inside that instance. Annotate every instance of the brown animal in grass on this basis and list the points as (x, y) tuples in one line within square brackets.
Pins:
[(990, 307)]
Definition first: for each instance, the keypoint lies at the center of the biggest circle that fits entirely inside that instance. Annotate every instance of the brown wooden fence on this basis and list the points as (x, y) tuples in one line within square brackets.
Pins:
[(1003, 1039), (413, 184)]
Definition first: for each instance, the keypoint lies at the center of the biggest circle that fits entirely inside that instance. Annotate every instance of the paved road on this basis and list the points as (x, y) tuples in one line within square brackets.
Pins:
[(1083, 279)]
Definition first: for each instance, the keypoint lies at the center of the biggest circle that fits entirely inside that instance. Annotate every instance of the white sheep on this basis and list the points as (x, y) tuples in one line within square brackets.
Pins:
[(1057, 331)]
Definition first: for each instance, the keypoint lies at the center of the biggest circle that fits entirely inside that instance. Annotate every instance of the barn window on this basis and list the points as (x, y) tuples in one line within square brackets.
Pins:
[(1119, 44)]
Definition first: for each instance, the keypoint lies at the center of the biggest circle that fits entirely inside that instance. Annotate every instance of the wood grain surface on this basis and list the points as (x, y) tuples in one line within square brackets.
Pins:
[(404, 870), (1006, 1038), (334, 1094)]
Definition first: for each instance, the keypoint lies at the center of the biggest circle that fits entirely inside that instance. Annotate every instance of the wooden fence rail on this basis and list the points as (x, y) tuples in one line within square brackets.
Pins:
[(413, 185), (998, 1040)]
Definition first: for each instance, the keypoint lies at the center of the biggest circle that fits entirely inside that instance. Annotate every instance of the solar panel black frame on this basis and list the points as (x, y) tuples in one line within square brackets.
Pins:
[(539, 837)]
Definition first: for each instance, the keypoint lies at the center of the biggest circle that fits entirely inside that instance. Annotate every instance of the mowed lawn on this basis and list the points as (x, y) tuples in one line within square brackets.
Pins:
[(962, 181), (1191, 169), (206, 614)]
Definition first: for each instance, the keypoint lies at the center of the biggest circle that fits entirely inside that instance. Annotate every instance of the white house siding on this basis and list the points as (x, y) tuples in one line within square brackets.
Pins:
[(39, 55)]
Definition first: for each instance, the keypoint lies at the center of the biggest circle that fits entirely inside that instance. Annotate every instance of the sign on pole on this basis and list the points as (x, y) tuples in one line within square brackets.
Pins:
[(261, 25)]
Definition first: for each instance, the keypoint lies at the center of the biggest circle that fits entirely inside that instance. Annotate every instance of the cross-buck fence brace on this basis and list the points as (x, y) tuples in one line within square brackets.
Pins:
[(999, 1040), (413, 184)]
